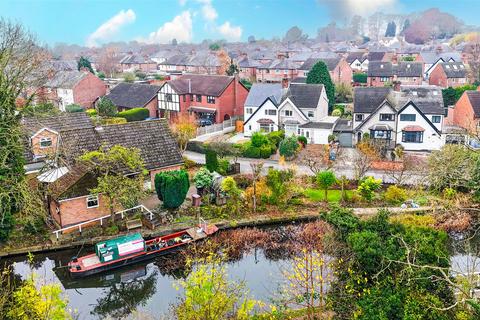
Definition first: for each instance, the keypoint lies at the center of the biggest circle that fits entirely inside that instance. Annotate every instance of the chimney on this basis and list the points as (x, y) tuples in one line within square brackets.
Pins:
[(396, 85), (189, 85), (285, 83)]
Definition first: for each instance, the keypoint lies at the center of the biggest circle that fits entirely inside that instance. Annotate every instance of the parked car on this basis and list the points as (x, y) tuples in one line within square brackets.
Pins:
[(202, 122)]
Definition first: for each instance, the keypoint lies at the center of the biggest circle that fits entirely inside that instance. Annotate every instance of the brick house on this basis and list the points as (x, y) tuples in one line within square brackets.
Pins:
[(448, 74), (72, 87), (466, 112), (339, 69), (379, 73), (175, 63), (248, 69), (207, 96), (135, 95), (71, 135), (135, 62), (279, 70), (409, 73)]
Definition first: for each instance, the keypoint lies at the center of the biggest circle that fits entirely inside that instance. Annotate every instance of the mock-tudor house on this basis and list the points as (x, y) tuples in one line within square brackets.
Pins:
[(261, 108), (358, 61), (448, 74), (72, 87), (339, 69), (135, 95), (431, 59), (408, 73), (379, 73), (68, 136), (206, 96), (411, 117), (466, 112), (136, 62)]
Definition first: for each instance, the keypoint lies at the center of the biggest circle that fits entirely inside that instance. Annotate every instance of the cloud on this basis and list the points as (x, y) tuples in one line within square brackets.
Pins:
[(231, 33), (179, 28), (209, 12), (182, 2), (110, 27), (342, 8)]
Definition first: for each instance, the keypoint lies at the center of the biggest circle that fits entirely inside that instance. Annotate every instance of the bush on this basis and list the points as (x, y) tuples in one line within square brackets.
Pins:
[(223, 166), (449, 193), (340, 107), (211, 160), (91, 112), (203, 178), (288, 147), (243, 180), (140, 75), (114, 120), (266, 151), (71, 108), (106, 108), (302, 140), (196, 146), (188, 163), (395, 195), (259, 139), (360, 77), (129, 77), (101, 75), (332, 137), (337, 113), (249, 151), (275, 137), (135, 114), (172, 187), (367, 188)]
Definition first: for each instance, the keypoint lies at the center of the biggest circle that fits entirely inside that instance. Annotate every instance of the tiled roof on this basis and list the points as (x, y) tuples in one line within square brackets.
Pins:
[(375, 56), (474, 97), (208, 85), (409, 69), (318, 125), (331, 63), (366, 100), (135, 59), (352, 56), (283, 64), (59, 123), (248, 63), (380, 69), (66, 79), (177, 60), (304, 95), (431, 57), (259, 92), (132, 95), (454, 69), (428, 99)]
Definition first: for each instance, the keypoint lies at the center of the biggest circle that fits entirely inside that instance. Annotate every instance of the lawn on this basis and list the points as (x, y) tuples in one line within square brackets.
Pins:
[(333, 195)]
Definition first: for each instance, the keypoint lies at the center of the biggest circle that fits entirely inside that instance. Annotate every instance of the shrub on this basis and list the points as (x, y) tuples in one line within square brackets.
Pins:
[(340, 107), (135, 114), (332, 137), (449, 193), (223, 166), (188, 163), (337, 113), (106, 108), (140, 75), (101, 75), (395, 195), (211, 160), (243, 180), (275, 137), (229, 186), (325, 180), (302, 140), (368, 186), (288, 147), (278, 183), (259, 139), (251, 152), (71, 108), (203, 178), (114, 120), (129, 77), (266, 151), (91, 112), (172, 187), (360, 77)]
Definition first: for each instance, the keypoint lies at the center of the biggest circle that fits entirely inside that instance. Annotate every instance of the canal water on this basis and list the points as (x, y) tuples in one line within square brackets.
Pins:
[(149, 287)]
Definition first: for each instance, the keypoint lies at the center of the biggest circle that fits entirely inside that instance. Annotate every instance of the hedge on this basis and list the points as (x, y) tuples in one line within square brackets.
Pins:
[(172, 187), (71, 108), (91, 112), (135, 114), (113, 120), (211, 160)]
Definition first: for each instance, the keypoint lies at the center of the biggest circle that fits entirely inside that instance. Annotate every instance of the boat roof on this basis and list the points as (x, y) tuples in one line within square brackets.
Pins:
[(122, 239)]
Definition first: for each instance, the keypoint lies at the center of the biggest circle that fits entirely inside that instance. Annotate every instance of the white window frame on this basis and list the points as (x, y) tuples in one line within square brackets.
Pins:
[(248, 110), (92, 198), (311, 114), (45, 139), (288, 113), (270, 112)]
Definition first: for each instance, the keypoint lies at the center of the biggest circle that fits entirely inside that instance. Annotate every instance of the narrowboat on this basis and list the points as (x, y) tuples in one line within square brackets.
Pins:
[(132, 248)]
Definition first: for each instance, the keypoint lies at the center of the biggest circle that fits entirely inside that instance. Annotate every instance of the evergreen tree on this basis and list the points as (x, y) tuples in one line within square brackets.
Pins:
[(172, 187), (84, 63), (319, 75)]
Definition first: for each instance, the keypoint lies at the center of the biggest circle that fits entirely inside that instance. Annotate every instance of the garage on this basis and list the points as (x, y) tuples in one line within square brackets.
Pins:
[(345, 139), (343, 131)]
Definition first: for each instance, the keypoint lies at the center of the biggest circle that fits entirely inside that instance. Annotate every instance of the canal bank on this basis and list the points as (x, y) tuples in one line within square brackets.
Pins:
[(260, 220)]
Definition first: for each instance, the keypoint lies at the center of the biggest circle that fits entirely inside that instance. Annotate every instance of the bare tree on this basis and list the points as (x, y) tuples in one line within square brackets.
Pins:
[(108, 61), (256, 172), (402, 172)]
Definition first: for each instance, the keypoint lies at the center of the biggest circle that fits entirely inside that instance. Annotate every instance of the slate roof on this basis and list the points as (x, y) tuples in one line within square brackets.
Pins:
[(248, 63), (352, 56), (380, 69), (283, 64), (299, 80), (259, 92), (177, 60), (428, 99), (208, 85), (304, 95), (474, 97), (330, 62), (430, 57), (454, 69), (63, 65), (375, 56), (343, 125), (318, 125), (367, 99), (132, 95), (409, 69), (135, 59), (66, 79)]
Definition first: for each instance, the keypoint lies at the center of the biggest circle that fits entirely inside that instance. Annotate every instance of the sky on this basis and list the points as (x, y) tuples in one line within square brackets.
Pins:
[(93, 22)]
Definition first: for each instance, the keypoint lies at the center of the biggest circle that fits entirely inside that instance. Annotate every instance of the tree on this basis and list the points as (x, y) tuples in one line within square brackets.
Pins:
[(325, 180), (319, 75), (367, 187), (279, 183), (214, 46), (232, 69), (230, 188), (106, 108), (247, 83), (251, 39), (21, 67), (391, 29), (210, 295), (84, 63), (294, 34), (360, 77), (174, 42), (129, 77), (184, 129), (343, 93), (256, 172), (172, 187), (111, 165), (211, 160), (108, 61), (288, 147)]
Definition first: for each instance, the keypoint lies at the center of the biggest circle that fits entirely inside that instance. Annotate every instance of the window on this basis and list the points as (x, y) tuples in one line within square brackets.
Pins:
[(359, 117), (387, 117), (288, 113), (383, 79), (305, 73), (191, 97), (45, 142), (310, 114), (92, 201), (412, 136), (407, 117), (380, 134), (266, 127), (270, 112), (210, 99), (199, 98), (248, 110), (168, 97), (436, 119)]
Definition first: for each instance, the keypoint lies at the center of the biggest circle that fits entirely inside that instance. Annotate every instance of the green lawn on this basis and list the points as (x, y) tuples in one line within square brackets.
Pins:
[(333, 195)]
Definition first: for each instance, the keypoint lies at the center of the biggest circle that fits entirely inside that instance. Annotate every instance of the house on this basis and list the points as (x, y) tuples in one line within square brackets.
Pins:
[(339, 69), (411, 116), (136, 62), (408, 73), (69, 136), (261, 108), (279, 70), (175, 63), (379, 73), (466, 113), (431, 59), (448, 74), (358, 61), (248, 69), (207, 96), (135, 95), (72, 87)]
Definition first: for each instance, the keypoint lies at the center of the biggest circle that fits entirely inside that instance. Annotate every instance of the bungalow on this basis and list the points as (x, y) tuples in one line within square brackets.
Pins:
[(466, 113), (379, 73), (448, 74), (207, 96), (339, 69), (68, 136), (72, 87), (135, 95)]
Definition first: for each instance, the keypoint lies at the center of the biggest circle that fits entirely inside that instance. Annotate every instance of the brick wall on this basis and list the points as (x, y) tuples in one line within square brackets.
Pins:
[(37, 150), (342, 73), (152, 107), (438, 77), (375, 82), (463, 114), (88, 90), (73, 211)]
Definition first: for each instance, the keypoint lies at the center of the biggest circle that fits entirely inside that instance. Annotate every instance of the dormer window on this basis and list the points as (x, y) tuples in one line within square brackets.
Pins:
[(45, 142)]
